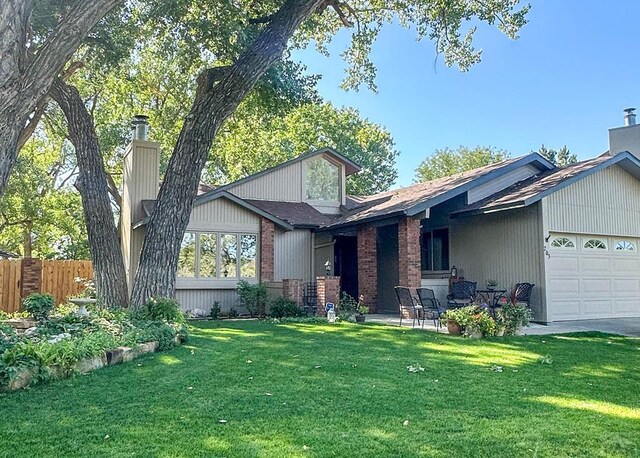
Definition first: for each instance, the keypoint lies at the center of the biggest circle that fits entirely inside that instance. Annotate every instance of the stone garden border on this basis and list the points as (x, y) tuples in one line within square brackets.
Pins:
[(109, 358)]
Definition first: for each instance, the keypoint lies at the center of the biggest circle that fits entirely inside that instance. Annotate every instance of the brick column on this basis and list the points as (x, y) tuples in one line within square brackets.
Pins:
[(267, 230), (292, 289), (409, 253), (368, 267), (328, 291), (31, 276)]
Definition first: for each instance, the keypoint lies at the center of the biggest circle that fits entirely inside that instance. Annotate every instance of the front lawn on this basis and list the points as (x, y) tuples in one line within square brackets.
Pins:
[(257, 389)]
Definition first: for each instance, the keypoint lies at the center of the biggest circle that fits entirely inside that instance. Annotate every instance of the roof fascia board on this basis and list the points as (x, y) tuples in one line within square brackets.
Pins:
[(533, 158), (569, 181)]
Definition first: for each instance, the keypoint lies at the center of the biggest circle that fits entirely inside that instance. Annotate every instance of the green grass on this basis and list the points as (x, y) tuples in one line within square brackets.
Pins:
[(341, 390)]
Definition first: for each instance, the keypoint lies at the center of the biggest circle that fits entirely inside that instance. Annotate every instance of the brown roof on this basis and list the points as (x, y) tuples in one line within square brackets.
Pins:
[(400, 200), (524, 192), (298, 214)]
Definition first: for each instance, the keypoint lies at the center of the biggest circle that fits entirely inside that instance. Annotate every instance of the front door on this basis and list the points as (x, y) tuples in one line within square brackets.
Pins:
[(388, 274), (346, 264)]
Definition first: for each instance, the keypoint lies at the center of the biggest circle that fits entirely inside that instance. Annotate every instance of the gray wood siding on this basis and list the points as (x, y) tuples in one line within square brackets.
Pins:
[(292, 254), (505, 246), (602, 203), (283, 184), (501, 183), (204, 298), (222, 214)]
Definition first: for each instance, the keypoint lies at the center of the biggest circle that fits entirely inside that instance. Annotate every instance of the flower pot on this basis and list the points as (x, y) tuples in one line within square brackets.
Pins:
[(360, 318), (454, 328)]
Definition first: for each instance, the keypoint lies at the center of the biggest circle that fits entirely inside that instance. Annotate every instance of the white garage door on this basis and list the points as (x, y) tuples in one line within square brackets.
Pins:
[(592, 277)]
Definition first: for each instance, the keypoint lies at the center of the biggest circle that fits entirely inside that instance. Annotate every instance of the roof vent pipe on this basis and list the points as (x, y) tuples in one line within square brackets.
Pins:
[(140, 127), (629, 116)]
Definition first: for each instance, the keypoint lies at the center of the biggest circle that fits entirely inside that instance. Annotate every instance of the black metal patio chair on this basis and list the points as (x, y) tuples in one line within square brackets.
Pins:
[(522, 293), (462, 294), (431, 308), (406, 301)]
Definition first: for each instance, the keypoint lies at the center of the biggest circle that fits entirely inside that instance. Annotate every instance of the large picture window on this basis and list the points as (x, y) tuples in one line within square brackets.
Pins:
[(323, 180), (435, 250), (218, 255)]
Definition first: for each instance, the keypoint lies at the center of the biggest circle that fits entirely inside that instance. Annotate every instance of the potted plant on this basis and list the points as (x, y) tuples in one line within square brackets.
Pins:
[(456, 319), (513, 316), (361, 310), (471, 321), (491, 284)]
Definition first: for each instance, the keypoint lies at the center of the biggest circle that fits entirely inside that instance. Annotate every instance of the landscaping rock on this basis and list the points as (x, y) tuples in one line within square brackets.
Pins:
[(115, 356), (21, 380), (21, 323), (147, 347), (127, 354), (91, 364), (30, 332), (197, 313)]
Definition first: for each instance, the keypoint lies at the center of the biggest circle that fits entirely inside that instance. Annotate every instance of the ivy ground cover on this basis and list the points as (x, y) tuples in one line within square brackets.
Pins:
[(247, 388)]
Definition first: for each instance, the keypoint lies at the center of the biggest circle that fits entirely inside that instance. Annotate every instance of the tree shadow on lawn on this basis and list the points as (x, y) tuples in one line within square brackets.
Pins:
[(341, 391)]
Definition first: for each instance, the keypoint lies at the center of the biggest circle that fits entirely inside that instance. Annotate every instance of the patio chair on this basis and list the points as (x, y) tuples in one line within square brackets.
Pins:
[(431, 308), (462, 294), (310, 297), (522, 293), (407, 301)]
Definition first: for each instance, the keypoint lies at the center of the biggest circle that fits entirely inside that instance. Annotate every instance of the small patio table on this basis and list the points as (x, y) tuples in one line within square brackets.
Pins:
[(490, 297)]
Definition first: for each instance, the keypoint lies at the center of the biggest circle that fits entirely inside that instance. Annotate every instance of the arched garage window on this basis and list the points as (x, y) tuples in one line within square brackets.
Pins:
[(562, 242), (595, 244), (625, 245)]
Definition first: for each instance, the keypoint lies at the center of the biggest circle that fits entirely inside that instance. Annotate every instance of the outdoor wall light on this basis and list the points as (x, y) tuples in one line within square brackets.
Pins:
[(327, 267), (454, 271)]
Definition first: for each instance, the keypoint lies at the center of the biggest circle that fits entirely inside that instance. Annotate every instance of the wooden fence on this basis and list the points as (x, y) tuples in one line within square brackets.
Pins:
[(21, 277)]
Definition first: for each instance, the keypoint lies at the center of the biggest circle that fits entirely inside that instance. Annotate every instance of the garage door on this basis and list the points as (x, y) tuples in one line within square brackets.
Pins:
[(592, 277)]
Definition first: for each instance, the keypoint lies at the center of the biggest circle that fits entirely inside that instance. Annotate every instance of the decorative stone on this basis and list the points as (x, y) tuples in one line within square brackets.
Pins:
[(30, 332), (147, 347), (91, 364), (197, 313), (21, 323), (115, 356), (127, 354), (21, 380)]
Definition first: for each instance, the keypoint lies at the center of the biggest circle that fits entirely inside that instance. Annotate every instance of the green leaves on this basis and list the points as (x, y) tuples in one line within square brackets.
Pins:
[(445, 162)]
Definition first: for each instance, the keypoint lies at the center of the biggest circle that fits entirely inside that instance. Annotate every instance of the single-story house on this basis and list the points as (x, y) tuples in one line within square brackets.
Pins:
[(572, 231)]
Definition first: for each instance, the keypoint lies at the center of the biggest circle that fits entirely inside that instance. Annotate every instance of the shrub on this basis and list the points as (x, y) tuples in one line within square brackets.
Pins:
[(513, 316), (164, 309), (252, 297), (347, 307), (215, 310), (283, 308), (472, 318), (233, 313), (38, 305)]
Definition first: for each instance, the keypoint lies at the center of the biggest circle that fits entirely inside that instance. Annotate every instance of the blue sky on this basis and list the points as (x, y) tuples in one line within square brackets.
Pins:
[(565, 81)]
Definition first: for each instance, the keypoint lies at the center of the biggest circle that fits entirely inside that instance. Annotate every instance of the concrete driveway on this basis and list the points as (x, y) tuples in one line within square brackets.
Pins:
[(622, 326)]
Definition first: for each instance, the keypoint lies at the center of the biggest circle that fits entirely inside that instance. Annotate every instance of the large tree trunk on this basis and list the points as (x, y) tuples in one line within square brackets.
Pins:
[(25, 75), (213, 105), (108, 267)]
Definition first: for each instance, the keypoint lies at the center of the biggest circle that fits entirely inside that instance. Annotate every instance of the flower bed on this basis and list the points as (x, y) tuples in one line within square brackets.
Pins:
[(63, 343)]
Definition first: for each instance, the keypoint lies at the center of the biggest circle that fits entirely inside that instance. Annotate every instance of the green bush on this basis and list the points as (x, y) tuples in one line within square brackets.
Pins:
[(164, 309), (215, 311), (472, 318), (252, 297), (347, 307), (283, 308), (39, 306), (513, 316)]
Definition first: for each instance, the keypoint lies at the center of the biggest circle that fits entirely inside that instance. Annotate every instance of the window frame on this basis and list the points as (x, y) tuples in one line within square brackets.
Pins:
[(564, 246), (219, 277), (594, 244), (626, 249), (305, 188), (423, 249)]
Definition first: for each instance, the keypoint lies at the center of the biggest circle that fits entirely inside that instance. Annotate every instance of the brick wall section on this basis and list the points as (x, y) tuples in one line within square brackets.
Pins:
[(409, 253), (368, 267), (292, 289), (31, 276), (328, 291), (267, 230)]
